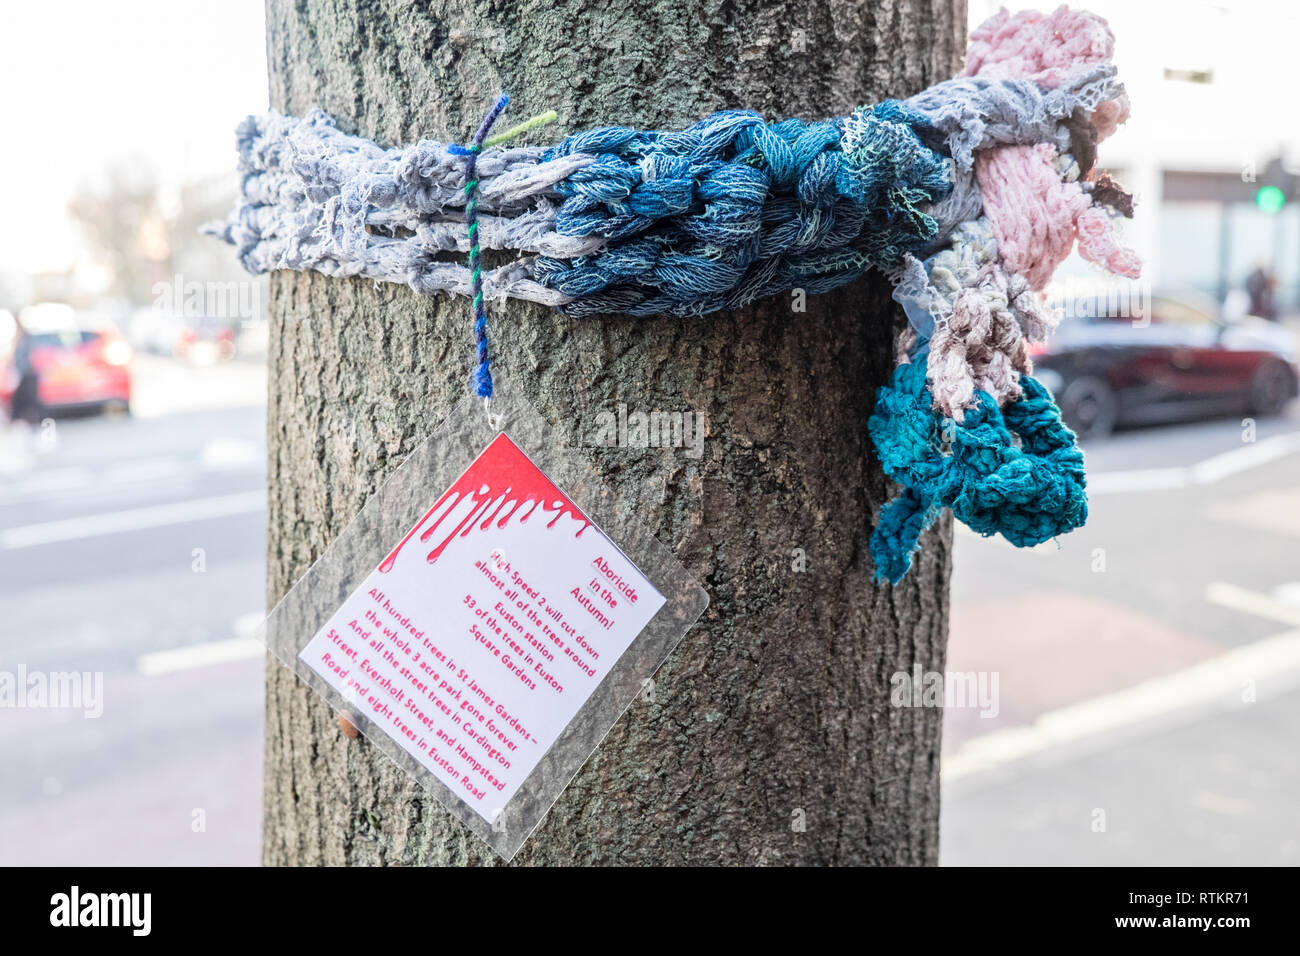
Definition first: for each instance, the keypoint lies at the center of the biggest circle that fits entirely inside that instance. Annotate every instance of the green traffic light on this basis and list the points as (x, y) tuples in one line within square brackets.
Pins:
[(1270, 198)]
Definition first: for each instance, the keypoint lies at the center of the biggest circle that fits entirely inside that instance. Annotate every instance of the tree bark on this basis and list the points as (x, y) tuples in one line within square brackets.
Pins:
[(775, 709)]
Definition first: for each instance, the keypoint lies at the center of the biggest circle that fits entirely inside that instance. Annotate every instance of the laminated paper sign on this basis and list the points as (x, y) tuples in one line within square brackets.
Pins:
[(477, 639), (488, 649)]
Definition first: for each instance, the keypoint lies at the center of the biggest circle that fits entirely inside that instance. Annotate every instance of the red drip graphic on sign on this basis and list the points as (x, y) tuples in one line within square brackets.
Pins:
[(502, 479)]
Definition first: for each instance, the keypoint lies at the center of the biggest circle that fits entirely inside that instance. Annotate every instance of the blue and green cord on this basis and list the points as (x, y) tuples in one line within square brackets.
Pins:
[(483, 371)]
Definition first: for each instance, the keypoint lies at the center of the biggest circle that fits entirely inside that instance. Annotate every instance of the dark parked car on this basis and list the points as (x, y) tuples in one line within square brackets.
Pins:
[(1172, 358)]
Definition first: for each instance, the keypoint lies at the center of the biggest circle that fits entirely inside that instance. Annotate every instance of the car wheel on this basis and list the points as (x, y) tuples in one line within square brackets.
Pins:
[(1088, 406), (1271, 388)]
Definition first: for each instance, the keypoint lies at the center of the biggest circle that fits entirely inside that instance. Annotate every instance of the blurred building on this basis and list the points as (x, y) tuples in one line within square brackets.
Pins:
[(1212, 125)]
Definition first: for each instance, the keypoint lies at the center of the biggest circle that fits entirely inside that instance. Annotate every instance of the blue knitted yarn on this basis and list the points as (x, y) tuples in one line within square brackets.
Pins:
[(734, 209), (1028, 492)]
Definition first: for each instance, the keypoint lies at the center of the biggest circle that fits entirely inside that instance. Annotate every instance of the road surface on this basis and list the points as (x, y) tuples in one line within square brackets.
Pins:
[(133, 547), (1148, 664)]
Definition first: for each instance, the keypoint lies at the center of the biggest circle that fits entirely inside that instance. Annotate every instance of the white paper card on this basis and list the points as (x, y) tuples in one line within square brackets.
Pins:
[(478, 639)]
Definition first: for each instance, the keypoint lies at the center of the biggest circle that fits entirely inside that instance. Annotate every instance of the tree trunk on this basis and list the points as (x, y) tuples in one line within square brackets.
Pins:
[(771, 738)]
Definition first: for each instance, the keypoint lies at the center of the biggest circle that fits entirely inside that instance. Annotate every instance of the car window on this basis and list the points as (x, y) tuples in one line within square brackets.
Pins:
[(211, 326), (63, 338), (1173, 312)]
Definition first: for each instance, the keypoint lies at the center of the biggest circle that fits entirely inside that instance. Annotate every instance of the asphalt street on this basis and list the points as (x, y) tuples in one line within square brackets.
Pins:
[(115, 559), (1147, 667)]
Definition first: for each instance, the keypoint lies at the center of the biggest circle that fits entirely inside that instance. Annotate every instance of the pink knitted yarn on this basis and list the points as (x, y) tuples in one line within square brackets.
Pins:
[(1045, 48), (1097, 243), (978, 348), (1107, 117), (1036, 209), (984, 343), (1036, 216)]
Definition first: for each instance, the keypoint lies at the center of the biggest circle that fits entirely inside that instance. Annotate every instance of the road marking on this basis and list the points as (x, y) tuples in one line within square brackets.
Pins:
[(1052, 545), (148, 469), (246, 625), (1144, 479), (1252, 602), (1219, 679), (1218, 803), (224, 453), (1207, 472), (135, 519), (1288, 593), (219, 455), (1246, 457), (45, 482), (199, 655)]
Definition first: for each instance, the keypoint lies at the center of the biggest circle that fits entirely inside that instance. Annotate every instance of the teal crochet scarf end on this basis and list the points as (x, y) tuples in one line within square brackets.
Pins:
[(1017, 473)]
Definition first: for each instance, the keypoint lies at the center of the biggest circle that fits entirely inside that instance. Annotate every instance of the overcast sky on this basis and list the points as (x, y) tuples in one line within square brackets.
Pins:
[(162, 83), (85, 84)]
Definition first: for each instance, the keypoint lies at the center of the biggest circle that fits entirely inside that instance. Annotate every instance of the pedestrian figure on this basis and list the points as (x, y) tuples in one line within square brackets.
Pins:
[(1259, 286), (25, 406)]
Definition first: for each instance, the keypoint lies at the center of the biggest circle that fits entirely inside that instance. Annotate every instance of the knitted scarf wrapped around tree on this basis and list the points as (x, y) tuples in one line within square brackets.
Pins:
[(968, 195)]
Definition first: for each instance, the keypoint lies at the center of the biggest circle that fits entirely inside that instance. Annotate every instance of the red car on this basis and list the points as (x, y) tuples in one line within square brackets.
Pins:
[(205, 340), (77, 361)]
